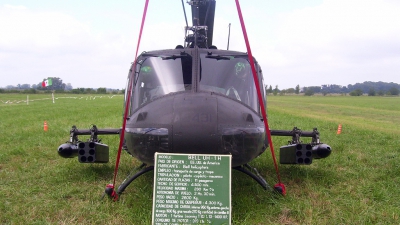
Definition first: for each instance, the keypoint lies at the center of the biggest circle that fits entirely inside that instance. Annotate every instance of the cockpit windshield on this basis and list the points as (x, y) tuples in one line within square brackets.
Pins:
[(230, 76), (160, 75)]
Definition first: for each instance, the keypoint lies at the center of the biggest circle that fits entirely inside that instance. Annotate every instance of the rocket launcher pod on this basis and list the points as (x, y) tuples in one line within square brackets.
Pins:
[(93, 152), (68, 150), (303, 153), (87, 152)]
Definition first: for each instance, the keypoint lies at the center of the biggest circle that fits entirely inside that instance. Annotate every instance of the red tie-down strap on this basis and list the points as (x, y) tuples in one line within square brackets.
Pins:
[(280, 187), (110, 188)]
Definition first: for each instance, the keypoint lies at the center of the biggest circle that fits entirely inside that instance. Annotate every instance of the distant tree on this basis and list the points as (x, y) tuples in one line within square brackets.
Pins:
[(101, 91), (270, 89), (276, 90), (309, 92), (290, 91), (30, 91), (315, 89), (267, 90), (78, 91), (297, 89), (89, 91), (371, 92), (357, 92), (38, 86), (68, 87), (381, 93), (394, 91), (367, 85), (331, 88), (24, 86)]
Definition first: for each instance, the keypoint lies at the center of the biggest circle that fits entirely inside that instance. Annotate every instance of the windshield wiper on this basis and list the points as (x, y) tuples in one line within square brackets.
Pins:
[(173, 57), (219, 57), (183, 54)]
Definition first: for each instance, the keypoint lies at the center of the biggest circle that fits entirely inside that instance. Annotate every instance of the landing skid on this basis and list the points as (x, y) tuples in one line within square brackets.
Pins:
[(130, 178), (246, 169)]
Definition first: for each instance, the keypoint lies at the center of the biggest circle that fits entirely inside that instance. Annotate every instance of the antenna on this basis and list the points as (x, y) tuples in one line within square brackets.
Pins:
[(184, 12), (229, 36)]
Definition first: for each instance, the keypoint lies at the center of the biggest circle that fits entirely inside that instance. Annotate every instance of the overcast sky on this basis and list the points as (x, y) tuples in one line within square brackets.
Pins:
[(92, 43)]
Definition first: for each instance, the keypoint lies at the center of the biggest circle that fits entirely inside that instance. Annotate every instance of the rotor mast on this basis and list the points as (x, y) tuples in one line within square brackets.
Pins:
[(203, 13)]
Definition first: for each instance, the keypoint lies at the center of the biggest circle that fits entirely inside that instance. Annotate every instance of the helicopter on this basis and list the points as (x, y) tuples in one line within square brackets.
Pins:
[(195, 99)]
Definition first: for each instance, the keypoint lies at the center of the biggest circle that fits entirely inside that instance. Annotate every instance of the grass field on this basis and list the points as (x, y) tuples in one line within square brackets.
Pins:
[(358, 184)]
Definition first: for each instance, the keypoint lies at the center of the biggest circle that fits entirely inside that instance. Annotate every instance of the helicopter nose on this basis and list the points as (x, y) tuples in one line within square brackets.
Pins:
[(195, 124)]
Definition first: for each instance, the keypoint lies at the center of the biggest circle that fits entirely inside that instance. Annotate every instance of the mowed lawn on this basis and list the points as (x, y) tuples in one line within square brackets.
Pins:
[(358, 184)]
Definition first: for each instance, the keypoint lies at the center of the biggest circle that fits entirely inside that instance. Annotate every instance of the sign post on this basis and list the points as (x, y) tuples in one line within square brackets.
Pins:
[(192, 189)]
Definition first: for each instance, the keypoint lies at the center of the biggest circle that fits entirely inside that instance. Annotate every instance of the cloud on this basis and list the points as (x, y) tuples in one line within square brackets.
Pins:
[(33, 30), (337, 42), (40, 44)]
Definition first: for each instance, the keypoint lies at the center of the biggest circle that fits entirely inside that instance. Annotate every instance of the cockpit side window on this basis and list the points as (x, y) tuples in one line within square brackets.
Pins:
[(129, 80)]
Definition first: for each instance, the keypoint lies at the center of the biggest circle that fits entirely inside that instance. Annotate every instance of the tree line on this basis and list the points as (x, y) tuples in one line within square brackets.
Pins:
[(57, 86), (368, 87)]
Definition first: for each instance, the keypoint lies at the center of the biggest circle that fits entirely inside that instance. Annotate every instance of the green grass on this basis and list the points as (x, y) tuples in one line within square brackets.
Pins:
[(357, 184)]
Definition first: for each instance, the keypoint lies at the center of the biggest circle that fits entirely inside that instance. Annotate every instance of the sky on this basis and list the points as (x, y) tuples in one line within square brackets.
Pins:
[(92, 44)]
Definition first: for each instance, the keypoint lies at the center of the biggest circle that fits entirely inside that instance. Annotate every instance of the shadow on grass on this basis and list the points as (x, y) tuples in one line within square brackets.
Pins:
[(307, 174), (84, 173)]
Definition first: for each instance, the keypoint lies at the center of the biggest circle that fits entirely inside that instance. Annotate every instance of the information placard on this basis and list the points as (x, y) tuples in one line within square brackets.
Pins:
[(192, 189)]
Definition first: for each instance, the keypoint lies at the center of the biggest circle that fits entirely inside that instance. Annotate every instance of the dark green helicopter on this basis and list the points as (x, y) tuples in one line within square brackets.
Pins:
[(194, 99)]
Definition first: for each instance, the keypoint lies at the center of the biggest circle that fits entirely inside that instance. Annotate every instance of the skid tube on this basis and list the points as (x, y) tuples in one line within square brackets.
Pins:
[(130, 178), (246, 169)]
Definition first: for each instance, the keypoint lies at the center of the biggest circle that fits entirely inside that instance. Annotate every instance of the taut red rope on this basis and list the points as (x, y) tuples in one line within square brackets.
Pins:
[(121, 140), (280, 186)]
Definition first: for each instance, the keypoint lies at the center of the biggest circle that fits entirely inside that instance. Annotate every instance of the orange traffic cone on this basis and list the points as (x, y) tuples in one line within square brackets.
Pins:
[(45, 128), (339, 129)]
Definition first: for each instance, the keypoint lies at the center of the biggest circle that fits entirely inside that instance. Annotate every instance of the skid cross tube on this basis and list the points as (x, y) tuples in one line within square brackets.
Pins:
[(297, 133), (93, 132)]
